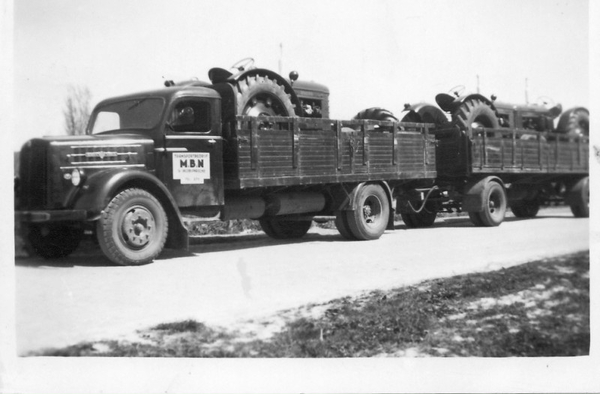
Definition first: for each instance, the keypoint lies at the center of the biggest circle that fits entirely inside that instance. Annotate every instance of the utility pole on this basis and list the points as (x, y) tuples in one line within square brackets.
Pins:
[(477, 83)]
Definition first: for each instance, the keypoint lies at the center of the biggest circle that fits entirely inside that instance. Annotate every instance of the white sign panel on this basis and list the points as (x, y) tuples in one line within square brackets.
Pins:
[(191, 168)]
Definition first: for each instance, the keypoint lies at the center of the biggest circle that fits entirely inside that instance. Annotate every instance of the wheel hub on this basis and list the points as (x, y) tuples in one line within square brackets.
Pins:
[(367, 214), (371, 210), (138, 227)]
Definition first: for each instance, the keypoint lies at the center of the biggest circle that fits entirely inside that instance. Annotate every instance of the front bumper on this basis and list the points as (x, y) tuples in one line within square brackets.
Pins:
[(73, 215)]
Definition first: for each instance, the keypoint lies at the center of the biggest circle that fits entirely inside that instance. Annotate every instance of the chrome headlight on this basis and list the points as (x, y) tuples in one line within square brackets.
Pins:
[(76, 176)]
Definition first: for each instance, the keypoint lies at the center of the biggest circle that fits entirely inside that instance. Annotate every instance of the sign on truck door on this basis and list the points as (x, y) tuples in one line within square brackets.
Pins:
[(191, 162)]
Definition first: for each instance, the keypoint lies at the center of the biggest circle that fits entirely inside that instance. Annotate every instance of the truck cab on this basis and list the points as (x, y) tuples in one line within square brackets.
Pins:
[(168, 142)]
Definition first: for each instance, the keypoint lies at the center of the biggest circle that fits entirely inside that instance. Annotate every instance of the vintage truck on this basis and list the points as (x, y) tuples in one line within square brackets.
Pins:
[(252, 144)]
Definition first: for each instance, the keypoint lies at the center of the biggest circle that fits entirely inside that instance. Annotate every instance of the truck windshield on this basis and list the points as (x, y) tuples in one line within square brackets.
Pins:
[(138, 113)]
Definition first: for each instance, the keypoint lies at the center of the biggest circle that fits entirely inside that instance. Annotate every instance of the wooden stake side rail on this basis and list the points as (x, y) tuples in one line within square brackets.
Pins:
[(497, 151), (282, 151)]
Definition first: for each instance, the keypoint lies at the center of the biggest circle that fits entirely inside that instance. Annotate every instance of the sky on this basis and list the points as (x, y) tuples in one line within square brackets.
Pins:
[(369, 53)]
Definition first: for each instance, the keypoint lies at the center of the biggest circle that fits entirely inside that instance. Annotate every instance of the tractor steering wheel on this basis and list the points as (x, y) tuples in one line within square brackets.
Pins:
[(244, 64), (457, 91), (545, 101)]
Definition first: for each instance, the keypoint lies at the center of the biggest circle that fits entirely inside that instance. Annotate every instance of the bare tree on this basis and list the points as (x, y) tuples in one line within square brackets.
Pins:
[(77, 109)]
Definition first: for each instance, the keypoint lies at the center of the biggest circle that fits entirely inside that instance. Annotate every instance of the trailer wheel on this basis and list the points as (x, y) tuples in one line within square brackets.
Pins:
[(494, 198), (133, 228), (425, 218), (53, 241), (370, 219), (279, 228), (341, 223), (525, 208), (579, 198), (474, 113), (376, 113), (258, 95)]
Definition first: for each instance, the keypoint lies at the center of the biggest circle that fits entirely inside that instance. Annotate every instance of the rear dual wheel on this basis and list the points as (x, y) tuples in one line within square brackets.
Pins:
[(494, 206), (579, 198), (525, 208), (370, 219), (424, 218), (280, 228)]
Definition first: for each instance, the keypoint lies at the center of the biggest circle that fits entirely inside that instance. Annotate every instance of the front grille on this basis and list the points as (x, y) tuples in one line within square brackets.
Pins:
[(33, 174), (103, 154)]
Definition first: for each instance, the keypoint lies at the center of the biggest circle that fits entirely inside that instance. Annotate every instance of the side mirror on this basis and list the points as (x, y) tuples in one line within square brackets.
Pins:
[(294, 76)]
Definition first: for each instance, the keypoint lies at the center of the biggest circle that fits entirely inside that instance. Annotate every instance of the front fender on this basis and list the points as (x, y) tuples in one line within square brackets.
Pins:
[(101, 187)]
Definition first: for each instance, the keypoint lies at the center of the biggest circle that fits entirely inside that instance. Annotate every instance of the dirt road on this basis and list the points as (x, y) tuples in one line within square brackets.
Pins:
[(251, 276)]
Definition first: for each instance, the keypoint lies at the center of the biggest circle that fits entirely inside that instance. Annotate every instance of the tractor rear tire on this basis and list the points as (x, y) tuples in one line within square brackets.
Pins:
[(279, 228), (258, 95), (574, 122), (474, 113), (426, 113), (376, 113)]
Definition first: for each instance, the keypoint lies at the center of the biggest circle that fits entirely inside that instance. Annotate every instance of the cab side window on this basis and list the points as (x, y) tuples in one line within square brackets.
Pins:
[(190, 116)]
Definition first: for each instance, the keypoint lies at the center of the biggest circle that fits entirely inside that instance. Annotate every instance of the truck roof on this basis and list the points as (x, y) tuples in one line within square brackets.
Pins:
[(168, 93)]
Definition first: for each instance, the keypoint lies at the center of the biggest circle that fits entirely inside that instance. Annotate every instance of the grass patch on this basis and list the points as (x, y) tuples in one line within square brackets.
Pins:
[(535, 309)]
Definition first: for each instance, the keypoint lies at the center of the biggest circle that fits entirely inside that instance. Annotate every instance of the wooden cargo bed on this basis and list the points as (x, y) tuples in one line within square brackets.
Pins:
[(497, 151), (278, 151)]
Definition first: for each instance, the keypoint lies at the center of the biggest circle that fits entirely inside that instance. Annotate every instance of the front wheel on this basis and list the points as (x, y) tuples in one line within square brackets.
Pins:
[(53, 241), (132, 230), (279, 228), (370, 219), (494, 206)]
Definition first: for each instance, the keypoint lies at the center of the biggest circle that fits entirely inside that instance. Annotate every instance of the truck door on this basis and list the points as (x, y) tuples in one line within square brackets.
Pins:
[(190, 160)]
